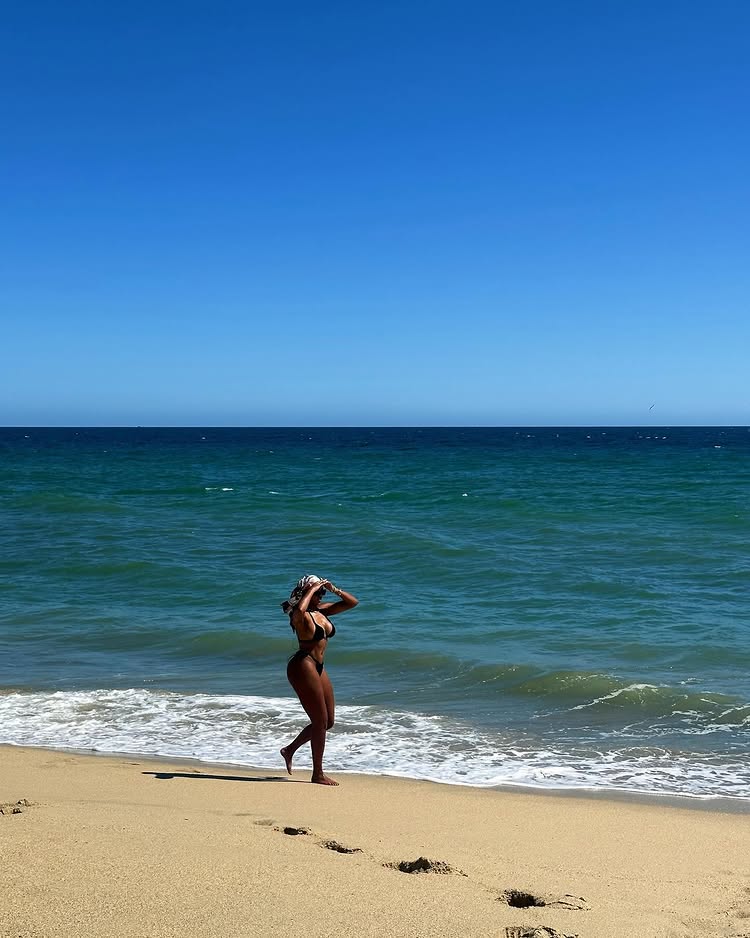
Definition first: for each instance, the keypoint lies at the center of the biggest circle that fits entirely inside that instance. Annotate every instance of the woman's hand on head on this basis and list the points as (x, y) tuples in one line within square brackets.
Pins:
[(331, 587)]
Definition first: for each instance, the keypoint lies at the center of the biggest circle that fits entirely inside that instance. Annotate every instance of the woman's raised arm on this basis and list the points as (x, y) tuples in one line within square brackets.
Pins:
[(345, 601)]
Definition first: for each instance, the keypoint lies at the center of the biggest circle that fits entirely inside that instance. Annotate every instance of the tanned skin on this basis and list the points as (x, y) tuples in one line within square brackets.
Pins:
[(314, 690)]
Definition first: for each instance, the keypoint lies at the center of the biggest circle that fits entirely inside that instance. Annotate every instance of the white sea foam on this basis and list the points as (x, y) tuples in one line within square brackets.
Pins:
[(248, 731), (613, 695)]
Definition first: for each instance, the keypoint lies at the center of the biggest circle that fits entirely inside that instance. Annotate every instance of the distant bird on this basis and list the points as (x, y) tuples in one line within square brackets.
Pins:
[(652, 406)]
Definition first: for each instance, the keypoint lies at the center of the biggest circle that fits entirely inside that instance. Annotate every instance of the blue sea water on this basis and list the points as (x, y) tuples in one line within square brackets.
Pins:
[(564, 608)]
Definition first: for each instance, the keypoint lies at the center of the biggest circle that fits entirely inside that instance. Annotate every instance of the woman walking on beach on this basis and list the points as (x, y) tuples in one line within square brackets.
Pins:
[(309, 618)]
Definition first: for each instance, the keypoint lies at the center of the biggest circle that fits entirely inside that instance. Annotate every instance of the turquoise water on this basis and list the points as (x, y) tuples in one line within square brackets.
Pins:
[(551, 607)]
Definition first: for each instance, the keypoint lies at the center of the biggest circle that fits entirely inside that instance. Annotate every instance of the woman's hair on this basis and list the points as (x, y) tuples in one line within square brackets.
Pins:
[(300, 588)]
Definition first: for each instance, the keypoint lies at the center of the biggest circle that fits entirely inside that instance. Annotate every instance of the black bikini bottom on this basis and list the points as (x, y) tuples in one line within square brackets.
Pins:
[(300, 655)]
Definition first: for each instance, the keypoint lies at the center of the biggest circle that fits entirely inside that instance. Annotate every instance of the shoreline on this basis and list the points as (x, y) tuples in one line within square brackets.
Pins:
[(454, 752), (108, 845), (720, 803)]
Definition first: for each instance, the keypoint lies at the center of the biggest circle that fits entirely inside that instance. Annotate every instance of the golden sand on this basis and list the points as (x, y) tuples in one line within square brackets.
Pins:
[(127, 847)]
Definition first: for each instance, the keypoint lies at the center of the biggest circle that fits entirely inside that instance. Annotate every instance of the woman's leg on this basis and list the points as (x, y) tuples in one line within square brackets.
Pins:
[(305, 735), (328, 697), (309, 687), (287, 752)]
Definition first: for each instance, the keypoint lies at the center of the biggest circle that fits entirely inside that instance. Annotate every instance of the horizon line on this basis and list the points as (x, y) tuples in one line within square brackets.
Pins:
[(451, 426)]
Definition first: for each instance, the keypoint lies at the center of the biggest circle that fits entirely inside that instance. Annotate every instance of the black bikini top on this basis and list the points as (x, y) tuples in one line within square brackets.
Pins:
[(320, 632)]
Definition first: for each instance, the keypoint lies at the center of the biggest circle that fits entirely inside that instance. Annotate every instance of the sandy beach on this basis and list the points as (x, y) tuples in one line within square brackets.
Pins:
[(124, 846)]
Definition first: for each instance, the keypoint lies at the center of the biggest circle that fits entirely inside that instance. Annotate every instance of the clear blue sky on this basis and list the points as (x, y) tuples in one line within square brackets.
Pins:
[(375, 213)]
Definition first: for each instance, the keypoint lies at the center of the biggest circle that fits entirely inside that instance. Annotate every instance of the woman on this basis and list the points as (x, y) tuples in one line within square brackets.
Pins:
[(309, 618)]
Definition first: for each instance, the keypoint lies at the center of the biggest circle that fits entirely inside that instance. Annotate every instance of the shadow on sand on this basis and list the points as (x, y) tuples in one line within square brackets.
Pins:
[(224, 778)]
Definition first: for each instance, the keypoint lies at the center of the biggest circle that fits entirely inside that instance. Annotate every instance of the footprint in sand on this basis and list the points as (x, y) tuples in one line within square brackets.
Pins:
[(522, 931), (16, 807), (516, 898), (305, 831), (423, 865), (339, 848), (519, 899)]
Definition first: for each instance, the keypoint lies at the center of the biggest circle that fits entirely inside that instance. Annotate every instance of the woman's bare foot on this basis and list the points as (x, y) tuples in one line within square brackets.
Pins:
[(322, 780), (287, 757)]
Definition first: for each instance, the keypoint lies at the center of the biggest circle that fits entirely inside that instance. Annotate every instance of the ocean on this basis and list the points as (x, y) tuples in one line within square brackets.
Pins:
[(562, 608)]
